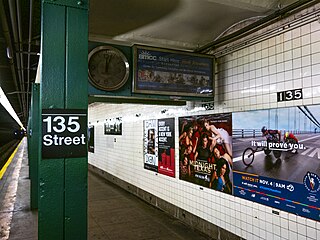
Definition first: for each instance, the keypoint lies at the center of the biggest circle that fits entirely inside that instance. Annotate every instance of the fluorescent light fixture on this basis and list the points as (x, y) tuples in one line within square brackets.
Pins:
[(39, 70), (6, 104)]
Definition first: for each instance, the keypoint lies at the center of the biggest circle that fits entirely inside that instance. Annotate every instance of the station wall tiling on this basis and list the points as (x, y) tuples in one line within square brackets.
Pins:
[(247, 79)]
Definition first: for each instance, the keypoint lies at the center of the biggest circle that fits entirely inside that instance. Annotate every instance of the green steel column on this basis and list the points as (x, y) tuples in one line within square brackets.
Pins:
[(63, 182), (76, 169), (34, 128)]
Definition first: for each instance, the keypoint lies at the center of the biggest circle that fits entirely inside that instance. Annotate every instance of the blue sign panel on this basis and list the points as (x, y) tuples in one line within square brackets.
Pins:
[(168, 72), (298, 198)]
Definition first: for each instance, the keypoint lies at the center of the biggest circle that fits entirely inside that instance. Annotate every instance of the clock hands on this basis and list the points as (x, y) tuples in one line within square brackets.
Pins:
[(107, 62)]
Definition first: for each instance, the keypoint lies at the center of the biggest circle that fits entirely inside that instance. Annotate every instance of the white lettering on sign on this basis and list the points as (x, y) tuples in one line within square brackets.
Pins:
[(49, 140), (60, 121), (64, 133), (61, 125)]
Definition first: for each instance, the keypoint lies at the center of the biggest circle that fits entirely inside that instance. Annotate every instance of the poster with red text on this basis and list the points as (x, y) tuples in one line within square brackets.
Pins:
[(159, 153)]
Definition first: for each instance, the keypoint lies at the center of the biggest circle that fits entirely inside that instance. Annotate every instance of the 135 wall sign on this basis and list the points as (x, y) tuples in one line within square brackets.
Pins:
[(289, 95)]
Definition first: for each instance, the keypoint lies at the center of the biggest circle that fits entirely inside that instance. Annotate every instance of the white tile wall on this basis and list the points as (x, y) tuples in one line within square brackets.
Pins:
[(245, 80)]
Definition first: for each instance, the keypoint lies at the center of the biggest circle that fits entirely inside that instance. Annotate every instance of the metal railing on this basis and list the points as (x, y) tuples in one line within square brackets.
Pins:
[(252, 133)]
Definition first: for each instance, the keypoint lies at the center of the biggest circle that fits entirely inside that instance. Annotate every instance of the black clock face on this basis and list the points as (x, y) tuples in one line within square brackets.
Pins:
[(108, 68)]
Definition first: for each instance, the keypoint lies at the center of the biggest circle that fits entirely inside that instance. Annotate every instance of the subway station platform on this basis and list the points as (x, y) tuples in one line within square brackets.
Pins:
[(113, 213)]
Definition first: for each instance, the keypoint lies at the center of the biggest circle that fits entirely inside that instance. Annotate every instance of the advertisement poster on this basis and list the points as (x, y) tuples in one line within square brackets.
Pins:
[(91, 139), (151, 145), (159, 146), (166, 147), (276, 155), (205, 145), (168, 72), (113, 126)]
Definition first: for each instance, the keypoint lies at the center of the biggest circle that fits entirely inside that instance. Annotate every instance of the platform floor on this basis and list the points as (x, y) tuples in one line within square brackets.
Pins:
[(113, 213)]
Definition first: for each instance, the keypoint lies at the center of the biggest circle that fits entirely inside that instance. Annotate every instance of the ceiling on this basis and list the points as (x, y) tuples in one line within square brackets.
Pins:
[(191, 25)]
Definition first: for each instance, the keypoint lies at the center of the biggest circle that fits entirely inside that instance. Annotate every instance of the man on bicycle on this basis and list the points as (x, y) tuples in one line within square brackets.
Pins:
[(290, 138), (271, 135)]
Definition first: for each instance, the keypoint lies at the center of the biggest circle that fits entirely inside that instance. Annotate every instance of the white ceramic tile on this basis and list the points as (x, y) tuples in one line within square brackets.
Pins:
[(287, 46), (284, 233), (296, 53), (272, 50), (276, 237), (288, 65), (296, 33), (318, 234), (279, 57), (306, 71), (305, 29), (280, 67), (288, 55), (269, 235), (264, 62), (311, 233), (315, 36), (272, 41), (315, 47), (306, 50), (307, 101), (273, 69), (296, 63), (305, 39), (296, 42), (313, 26), (297, 73), (315, 69), (302, 237), (272, 59), (316, 91), (288, 75), (293, 226), (287, 36)]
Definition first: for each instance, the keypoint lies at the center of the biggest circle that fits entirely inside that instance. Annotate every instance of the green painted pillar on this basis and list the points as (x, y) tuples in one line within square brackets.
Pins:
[(33, 145), (63, 181)]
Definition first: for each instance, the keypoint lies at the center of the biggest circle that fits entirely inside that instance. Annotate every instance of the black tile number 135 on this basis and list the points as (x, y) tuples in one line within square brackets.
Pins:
[(289, 95)]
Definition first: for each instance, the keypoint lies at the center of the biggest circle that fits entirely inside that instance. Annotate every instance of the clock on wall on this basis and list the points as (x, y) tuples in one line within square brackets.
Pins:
[(108, 68)]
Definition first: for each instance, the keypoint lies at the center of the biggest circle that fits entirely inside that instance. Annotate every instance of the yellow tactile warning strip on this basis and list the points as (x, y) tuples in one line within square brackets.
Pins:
[(7, 208), (4, 168)]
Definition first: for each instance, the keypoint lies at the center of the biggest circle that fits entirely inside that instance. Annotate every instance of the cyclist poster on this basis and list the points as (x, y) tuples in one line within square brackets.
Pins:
[(276, 155), (205, 145), (159, 146)]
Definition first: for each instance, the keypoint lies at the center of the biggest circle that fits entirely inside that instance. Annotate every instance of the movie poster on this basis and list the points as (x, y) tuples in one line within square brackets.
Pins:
[(276, 156), (159, 139), (205, 145)]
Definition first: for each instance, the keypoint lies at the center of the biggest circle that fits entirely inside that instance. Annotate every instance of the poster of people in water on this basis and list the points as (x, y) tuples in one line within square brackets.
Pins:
[(159, 153), (276, 156), (205, 145)]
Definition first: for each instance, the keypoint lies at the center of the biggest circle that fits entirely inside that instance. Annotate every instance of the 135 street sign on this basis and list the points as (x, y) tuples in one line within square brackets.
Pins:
[(64, 133)]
